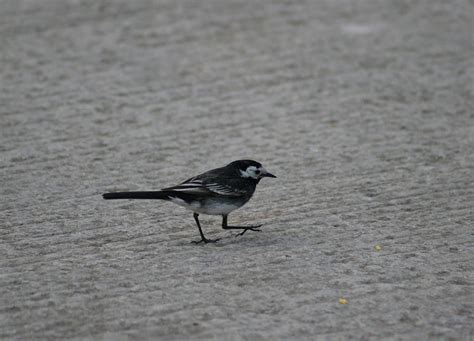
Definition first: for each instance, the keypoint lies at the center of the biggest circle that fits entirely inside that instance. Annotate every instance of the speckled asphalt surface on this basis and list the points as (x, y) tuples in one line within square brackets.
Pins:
[(364, 109)]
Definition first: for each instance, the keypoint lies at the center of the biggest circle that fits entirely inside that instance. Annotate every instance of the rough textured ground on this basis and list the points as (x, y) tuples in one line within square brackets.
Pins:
[(364, 109)]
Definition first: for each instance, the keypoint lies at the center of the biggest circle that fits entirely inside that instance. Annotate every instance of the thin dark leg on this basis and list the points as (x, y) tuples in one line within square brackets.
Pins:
[(244, 228), (203, 239)]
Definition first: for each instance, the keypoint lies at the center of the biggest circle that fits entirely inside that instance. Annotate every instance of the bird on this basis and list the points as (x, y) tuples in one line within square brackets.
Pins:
[(216, 192)]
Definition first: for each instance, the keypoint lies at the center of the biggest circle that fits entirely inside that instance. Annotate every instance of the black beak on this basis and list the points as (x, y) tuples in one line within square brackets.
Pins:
[(268, 175)]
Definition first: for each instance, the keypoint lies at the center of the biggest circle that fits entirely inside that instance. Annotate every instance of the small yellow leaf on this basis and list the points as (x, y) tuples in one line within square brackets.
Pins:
[(378, 248), (342, 301)]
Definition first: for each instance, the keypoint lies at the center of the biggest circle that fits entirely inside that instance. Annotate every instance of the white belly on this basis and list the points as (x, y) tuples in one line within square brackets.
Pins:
[(211, 208)]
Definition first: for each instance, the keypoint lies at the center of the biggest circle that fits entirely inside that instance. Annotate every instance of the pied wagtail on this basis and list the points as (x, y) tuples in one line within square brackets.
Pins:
[(215, 192)]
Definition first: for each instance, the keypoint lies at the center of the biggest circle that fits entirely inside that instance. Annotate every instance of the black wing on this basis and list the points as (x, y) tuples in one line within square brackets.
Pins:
[(207, 184)]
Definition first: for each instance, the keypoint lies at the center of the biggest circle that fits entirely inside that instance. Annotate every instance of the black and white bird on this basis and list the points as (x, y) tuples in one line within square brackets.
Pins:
[(215, 192)]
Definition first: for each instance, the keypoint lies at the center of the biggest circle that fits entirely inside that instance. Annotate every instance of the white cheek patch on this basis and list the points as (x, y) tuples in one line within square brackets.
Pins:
[(250, 172), (244, 174)]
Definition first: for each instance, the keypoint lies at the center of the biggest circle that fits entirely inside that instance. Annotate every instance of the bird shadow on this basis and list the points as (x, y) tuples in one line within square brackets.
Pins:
[(250, 239)]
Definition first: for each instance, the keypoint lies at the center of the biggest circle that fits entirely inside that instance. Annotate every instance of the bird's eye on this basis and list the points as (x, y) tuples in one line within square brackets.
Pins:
[(257, 172)]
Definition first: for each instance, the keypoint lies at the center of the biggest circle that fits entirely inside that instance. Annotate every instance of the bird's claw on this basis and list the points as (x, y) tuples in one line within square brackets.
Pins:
[(251, 228)]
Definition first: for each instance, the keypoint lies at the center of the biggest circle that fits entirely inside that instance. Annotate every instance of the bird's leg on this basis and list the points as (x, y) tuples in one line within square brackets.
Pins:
[(244, 228), (203, 239)]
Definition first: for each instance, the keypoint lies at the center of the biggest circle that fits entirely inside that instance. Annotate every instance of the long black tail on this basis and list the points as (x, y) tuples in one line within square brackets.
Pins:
[(138, 195)]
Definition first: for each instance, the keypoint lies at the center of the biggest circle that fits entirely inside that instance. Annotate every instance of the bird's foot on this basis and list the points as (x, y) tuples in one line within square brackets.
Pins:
[(205, 241), (251, 228)]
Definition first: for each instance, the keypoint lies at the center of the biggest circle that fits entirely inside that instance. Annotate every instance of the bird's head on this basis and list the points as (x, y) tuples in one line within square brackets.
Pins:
[(251, 169)]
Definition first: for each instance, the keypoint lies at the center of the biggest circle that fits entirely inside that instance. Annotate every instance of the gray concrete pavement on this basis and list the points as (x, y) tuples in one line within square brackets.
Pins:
[(364, 109)]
